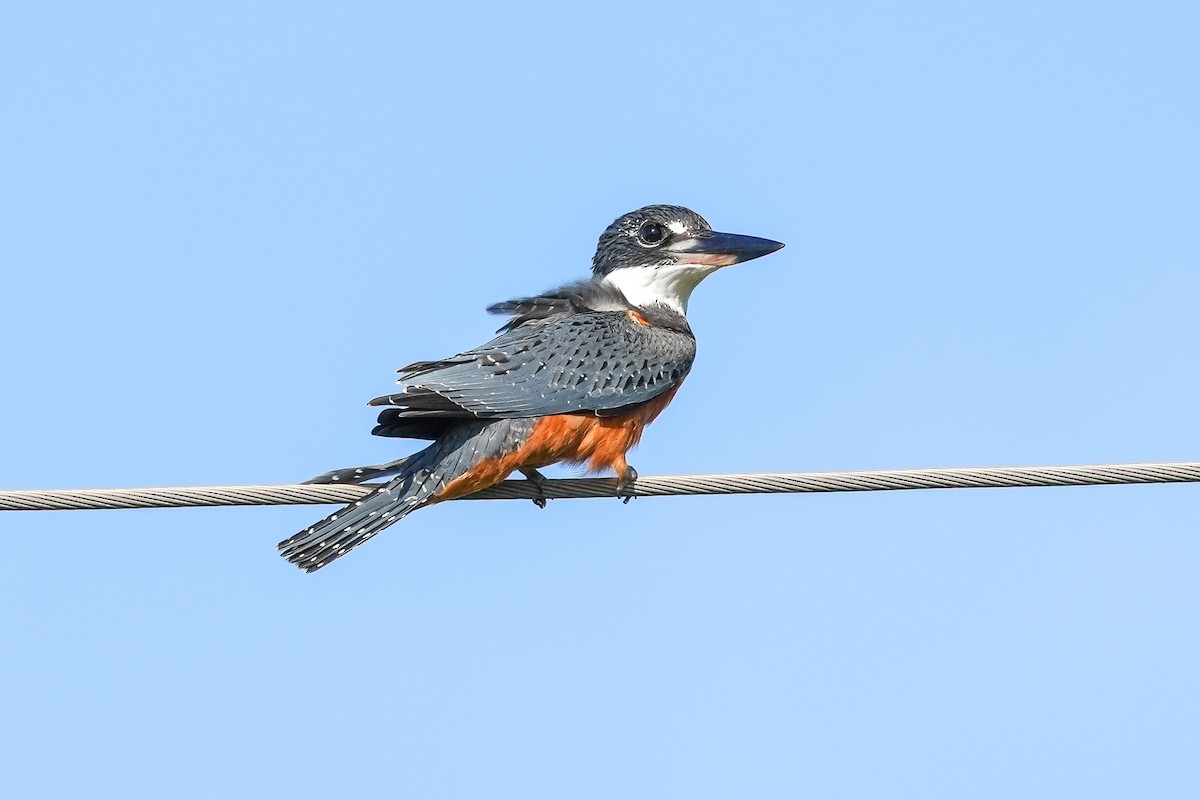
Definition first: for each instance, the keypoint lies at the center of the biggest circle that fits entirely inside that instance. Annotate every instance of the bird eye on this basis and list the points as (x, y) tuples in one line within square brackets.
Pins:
[(652, 233)]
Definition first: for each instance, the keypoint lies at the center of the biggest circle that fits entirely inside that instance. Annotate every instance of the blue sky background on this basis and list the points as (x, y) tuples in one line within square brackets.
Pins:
[(224, 225)]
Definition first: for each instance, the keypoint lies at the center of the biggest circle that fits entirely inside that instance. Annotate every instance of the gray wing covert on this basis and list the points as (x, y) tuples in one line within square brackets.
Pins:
[(602, 362)]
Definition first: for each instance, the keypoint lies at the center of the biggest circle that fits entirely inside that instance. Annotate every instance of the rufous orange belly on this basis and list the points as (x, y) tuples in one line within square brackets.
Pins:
[(600, 442)]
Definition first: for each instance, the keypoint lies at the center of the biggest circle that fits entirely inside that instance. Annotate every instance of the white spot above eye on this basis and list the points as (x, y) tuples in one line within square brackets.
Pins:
[(677, 227), (670, 285)]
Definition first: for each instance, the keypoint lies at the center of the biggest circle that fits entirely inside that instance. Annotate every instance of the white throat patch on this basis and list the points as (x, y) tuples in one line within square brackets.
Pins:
[(670, 285)]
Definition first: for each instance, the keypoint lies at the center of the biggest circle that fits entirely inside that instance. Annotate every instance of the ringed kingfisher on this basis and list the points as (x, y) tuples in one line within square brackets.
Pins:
[(574, 376)]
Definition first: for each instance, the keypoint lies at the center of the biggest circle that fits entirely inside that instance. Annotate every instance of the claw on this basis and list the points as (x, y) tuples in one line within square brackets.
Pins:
[(625, 481), (539, 485)]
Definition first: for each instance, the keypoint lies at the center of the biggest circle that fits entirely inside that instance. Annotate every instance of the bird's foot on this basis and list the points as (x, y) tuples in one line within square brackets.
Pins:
[(626, 478), (539, 486)]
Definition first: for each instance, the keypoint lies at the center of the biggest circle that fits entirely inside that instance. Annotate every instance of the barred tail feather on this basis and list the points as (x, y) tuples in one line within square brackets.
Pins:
[(420, 477), (342, 531), (363, 474)]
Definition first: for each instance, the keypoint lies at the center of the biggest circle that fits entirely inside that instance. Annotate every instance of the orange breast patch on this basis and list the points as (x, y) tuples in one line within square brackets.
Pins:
[(600, 442)]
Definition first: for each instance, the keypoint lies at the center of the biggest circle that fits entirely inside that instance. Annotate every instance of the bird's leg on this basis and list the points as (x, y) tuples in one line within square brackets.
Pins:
[(626, 478), (539, 485)]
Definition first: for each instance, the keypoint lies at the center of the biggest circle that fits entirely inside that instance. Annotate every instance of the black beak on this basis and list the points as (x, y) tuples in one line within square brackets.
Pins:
[(722, 249)]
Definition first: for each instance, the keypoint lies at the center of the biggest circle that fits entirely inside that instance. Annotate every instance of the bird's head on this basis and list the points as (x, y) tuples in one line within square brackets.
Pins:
[(659, 254)]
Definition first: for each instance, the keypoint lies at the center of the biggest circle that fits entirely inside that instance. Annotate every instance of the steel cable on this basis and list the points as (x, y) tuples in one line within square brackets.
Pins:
[(649, 486)]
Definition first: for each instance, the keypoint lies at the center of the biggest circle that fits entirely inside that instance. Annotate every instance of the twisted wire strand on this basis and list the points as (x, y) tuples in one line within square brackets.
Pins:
[(649, 486)]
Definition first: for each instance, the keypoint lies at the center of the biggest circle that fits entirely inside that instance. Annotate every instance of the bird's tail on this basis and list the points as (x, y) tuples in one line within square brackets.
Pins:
[(419, 478), (363, 474), (342, 531)]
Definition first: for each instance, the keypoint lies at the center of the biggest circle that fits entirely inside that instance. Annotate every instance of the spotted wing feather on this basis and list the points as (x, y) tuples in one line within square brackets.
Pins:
[(602, 362)]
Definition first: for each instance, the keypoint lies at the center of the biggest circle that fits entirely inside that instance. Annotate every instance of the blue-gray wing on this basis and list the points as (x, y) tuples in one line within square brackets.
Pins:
[(602, 362)]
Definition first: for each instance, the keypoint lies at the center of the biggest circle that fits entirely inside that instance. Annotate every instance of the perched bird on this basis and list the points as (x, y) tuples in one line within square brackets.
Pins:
[(575, 375)]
